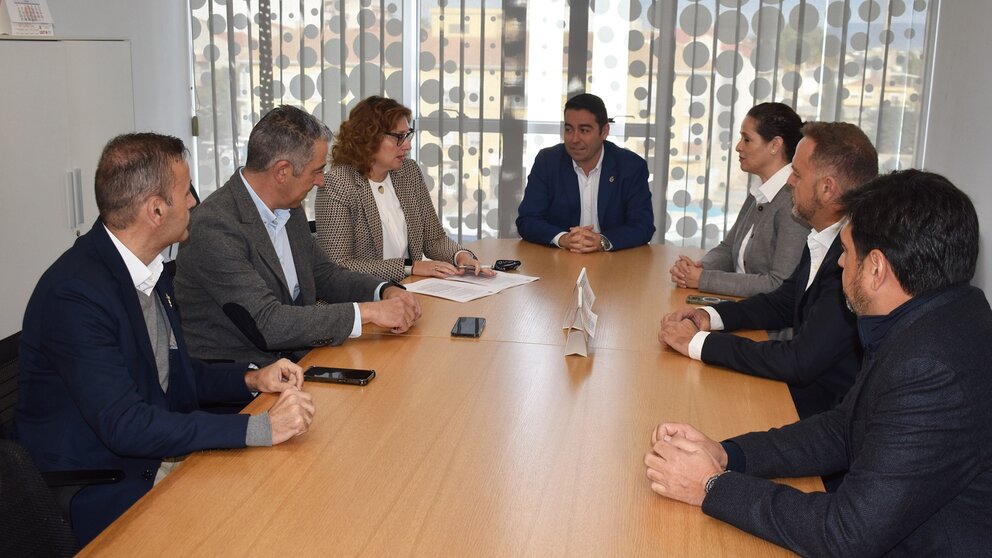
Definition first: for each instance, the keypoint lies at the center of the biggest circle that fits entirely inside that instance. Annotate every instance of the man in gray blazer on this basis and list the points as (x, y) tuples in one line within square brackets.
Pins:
[(915, 430), (249, 276)]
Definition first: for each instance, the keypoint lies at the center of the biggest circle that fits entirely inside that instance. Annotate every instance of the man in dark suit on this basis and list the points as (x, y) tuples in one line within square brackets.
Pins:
[(250, 274), (105, 380), (586, 194), (820, 362), (915, 430)]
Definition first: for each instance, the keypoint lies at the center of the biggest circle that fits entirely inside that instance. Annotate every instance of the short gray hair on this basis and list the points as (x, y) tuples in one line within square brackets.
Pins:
[(284, 133)]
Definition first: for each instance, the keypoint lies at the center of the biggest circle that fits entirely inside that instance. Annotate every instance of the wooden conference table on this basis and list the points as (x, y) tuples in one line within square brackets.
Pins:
[(498, 446)]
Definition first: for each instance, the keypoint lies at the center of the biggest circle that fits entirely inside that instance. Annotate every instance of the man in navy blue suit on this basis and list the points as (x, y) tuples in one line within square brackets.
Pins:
[(105, 380), (586, 194)]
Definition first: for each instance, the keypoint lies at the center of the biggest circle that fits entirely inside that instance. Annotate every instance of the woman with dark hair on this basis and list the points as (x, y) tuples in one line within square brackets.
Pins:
[(765, 243), (374, 213)]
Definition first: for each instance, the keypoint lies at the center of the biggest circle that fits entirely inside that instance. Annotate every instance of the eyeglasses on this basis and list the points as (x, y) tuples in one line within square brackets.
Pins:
[(401, 136)]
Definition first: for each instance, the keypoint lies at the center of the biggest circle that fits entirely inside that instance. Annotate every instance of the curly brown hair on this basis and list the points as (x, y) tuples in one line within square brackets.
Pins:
[(359, 138)]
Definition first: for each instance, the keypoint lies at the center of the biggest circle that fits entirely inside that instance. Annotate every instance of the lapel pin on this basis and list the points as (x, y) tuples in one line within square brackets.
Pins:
[(168, 299), (611, 179)]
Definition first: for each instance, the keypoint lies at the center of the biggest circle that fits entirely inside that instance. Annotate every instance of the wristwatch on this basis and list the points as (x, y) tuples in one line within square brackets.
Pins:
[(408, 267), (712, 480), (605, 243)]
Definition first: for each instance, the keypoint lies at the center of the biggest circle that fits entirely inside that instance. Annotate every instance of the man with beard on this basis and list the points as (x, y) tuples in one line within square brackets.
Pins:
[(820, 362), (914, 431)]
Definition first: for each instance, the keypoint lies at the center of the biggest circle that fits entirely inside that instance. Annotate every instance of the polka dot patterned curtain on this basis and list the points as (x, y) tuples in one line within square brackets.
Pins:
[(487, 80)]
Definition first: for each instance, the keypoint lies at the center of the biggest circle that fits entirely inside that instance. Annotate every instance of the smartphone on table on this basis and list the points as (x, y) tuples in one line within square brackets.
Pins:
[(700, 300), (468, 327), (336, 375)]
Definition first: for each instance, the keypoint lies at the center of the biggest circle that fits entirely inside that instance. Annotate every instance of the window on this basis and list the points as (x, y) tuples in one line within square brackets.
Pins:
[(486, 83)]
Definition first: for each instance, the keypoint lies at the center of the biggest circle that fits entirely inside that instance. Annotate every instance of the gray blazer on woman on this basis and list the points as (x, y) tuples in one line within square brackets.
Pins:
[(772, 253), (349, 228)]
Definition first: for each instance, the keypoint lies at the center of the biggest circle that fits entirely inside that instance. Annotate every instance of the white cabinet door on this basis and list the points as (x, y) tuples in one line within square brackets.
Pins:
[(100, 106), (60, 101)]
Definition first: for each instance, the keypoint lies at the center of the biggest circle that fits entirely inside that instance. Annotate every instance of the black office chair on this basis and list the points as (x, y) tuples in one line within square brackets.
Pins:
[(35, 507), (33, 524), (8, 382)]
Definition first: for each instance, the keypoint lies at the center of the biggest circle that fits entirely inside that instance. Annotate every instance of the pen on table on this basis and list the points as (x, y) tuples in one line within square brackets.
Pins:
[(473, 267)]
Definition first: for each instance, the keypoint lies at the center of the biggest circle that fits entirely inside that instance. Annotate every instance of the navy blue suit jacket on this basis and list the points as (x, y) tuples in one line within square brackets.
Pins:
[(551, 203), (914, 433), (822, 359), (89, 395)]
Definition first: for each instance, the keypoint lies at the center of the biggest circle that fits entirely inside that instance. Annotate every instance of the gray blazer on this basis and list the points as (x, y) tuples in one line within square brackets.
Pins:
[(349, 228), (232, 293), (772, 253)]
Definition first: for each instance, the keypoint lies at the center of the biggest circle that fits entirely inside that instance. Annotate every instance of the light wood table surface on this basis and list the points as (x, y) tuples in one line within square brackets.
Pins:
[(633, 291), (475, 447)]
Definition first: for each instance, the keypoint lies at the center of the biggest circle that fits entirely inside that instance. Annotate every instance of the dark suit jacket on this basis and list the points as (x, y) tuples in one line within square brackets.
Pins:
[(551, 201), (89, 395), (822, 359), (236, 302), (915, 433), (349, 228)]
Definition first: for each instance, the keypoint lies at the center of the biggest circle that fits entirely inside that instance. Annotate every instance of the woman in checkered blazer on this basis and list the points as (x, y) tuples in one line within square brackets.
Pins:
[(374, 213)]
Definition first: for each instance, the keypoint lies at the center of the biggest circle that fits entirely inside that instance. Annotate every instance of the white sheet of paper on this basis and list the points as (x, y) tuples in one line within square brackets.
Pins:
[(589, 321), (500, 282), (588, 297), (450, 290)]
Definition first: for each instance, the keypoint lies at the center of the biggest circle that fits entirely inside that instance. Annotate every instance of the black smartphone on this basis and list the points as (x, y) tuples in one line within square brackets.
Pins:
[(336, 375), (705, 300), (468, 327), (506, 265)]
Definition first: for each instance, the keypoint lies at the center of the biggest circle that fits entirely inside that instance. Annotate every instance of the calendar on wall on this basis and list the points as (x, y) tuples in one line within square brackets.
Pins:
[(26, 18)]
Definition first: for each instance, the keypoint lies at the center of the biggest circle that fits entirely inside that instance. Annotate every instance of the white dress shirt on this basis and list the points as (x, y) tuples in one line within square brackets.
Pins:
[(588, 195), (144, 277), (819, 243), (395, 241)]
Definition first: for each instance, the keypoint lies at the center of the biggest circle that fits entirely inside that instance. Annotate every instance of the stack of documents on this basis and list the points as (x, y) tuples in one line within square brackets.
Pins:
[(463, 288)]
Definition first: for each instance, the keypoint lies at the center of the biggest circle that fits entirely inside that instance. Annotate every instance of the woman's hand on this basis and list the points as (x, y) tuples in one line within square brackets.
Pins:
[(465, 259), (686, 272), (434, 268)]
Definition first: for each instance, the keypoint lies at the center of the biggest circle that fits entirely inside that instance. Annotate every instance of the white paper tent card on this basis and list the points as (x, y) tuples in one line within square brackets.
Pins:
[(580, 320)]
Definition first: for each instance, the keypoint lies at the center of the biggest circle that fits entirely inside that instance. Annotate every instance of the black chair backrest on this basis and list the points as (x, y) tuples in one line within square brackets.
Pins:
[(31, 522), (8, 382)]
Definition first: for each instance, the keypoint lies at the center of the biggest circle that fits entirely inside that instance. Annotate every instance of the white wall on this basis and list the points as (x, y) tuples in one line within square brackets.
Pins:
[(958, 144), (159, 53)]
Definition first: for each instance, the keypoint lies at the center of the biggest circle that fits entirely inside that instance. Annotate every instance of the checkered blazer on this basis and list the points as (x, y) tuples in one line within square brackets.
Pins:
[(350, 231)]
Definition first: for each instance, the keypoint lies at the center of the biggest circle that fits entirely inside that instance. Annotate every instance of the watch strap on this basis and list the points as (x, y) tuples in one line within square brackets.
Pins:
[(712, 480)]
